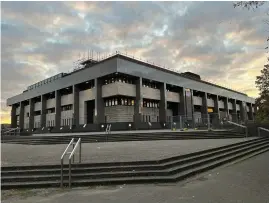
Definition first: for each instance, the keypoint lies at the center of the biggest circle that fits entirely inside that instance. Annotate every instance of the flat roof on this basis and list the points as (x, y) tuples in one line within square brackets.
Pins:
[(156, 67)]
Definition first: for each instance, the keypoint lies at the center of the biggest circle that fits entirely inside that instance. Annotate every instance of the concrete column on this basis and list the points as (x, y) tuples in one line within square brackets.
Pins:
[(226, 107), (234, 112), (138, 103), (76, 105), (204, 107), (99, 111), (13, 116), (189, 103), (163, 103), (182, 102), (21, 115), (57, 109), (31, 116), (216, 115), (43, 110), (243, 111)]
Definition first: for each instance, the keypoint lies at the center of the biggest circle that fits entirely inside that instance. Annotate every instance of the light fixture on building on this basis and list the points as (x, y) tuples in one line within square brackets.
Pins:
[(87, 82)]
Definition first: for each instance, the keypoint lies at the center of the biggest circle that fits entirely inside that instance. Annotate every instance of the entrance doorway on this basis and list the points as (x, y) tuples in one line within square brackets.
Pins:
[(90, 105)]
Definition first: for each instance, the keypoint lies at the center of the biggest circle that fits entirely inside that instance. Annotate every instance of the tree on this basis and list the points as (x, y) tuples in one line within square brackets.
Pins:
[(253, 5), (262, 102), (248, 4), (262, 81)]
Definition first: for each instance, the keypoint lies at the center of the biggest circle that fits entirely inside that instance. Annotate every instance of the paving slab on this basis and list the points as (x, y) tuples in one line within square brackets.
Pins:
[(20, 155)]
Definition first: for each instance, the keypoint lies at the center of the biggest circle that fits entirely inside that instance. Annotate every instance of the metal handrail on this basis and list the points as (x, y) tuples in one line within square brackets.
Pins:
[(72, 155), (108, 128), (259, 130), (242, 126), (11, 130), (62, 159)]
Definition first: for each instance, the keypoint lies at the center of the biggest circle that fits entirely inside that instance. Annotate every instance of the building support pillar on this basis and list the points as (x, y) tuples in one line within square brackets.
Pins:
[(163, 104), (226, 107), (31, 115), (99, 111), (234, 112), (76, 106), (57, 109), (243, 111), (182, 102), (13, 116), (216, 113), (138, 103), (21, 115), (43, 110), (204, 108)]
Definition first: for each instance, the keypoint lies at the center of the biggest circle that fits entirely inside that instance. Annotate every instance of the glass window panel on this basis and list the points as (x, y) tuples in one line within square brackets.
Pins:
[(113, 102), (132, 102), (129, 102), (116, 101), (122, 101), (126, 102)]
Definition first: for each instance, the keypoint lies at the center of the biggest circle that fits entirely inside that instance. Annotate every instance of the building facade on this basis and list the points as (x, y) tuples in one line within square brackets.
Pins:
[(121, 90)]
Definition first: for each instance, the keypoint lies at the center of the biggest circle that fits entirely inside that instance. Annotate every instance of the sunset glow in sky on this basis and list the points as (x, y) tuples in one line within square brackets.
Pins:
[(221, 43)]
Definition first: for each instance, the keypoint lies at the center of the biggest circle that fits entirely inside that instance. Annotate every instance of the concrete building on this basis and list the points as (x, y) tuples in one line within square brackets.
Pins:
[(121, 90)]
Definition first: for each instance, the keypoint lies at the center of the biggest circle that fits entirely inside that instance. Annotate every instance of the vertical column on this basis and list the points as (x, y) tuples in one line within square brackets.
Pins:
[(188, 103), (243, 111), (13, 116), (204, 108), (57, 109), (76, 105), (163, 103), (216, 115), (182, 102), (31, 116), (99, 111), (234, 112), (21, 115), (43, 110), (138, 103), (226, 107), (250, 112)]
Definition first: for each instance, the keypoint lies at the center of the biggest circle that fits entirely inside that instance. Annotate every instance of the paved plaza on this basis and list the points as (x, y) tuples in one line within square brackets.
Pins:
[(17, 154)]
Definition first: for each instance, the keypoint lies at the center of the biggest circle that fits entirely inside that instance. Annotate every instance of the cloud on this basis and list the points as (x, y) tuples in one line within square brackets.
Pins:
[(213, 39)]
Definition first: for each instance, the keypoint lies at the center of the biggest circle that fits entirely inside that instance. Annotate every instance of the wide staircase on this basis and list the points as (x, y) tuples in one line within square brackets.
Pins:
[(120, 137), (167, 170)]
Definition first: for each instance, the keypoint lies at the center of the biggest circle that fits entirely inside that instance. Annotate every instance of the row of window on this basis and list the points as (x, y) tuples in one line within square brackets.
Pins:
[(37, 125), (119, 79), (119, 101), (67, 107), (147, 118), (67, 122), (51, 123), (151, 104), (45, 81)]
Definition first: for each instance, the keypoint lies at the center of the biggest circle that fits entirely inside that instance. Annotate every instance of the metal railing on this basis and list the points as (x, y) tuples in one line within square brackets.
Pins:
[(108, 128), (11, 131), (75, 145), (264, 129), (242, 126)]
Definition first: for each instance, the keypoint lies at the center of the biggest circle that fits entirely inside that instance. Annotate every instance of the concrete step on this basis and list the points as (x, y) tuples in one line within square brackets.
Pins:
[(150, 171), (175, 174)]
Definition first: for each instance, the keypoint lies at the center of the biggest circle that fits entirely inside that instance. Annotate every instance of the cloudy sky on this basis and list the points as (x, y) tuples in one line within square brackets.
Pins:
[(213, 39)]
